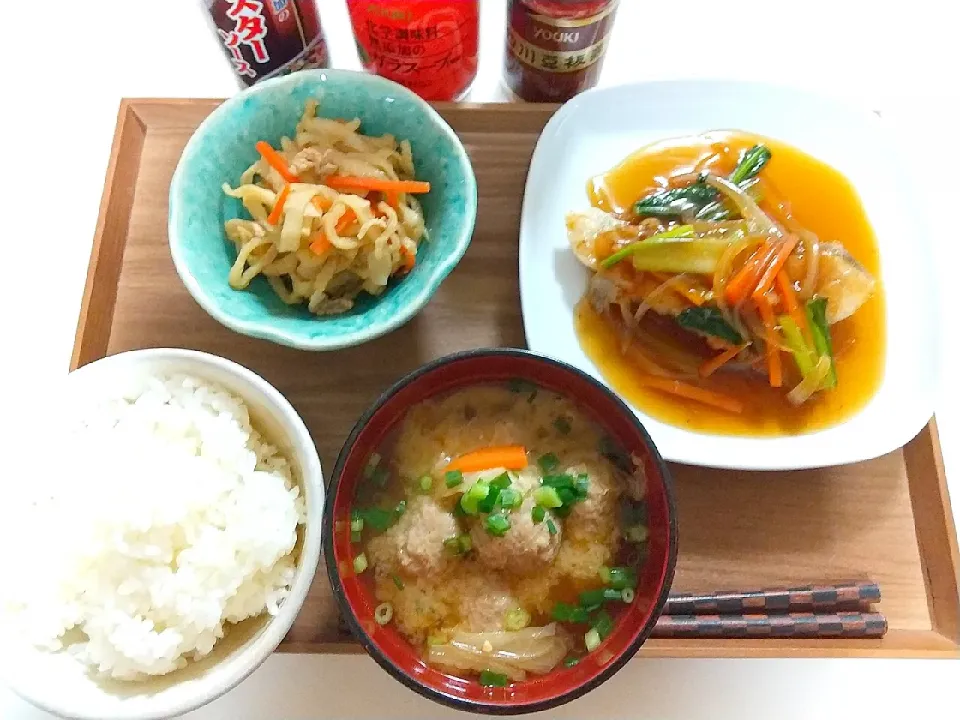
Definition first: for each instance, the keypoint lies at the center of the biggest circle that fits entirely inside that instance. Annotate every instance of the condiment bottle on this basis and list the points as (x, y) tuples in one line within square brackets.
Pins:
[(555, 48), (266, 38), (429, 46)]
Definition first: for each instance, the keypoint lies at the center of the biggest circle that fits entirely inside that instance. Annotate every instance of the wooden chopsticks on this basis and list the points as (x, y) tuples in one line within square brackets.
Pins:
[(840, 610)]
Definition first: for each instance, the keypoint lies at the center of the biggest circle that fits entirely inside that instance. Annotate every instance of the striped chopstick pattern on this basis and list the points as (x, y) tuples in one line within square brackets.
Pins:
[(799, 625), (808, 598)]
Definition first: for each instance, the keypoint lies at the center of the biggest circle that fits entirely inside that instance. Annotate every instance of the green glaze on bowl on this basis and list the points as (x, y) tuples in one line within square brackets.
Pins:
[(223, 147)]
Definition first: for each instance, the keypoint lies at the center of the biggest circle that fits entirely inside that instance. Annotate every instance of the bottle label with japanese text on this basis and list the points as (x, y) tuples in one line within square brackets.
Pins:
[(558, 45), (264, 38), (429, 46)]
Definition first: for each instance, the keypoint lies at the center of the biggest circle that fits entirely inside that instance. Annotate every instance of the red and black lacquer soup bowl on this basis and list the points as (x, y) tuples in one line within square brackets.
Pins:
[(355, 594)]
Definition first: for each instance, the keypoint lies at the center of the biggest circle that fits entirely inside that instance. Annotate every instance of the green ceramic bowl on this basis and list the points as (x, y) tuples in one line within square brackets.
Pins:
[(223, 147)]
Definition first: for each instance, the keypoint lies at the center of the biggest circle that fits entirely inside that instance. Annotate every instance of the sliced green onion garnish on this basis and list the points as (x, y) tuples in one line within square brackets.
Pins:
[(561, 612), (501, 481), (548, 462), (570, 662), (591, 639), (356, 522), (401, 508), (551, 527), (489, 503), (564, 612), (452, 544), (496, 524), (453, 478), (371, 467), (581, 485), (510, 498), (558, 481), (562, 425), (425, 483), (360, 563), (538, 513), (378, 519), (492, 679), (637, 533), (397, 581), (355, 536), (547, 497), (605, 575), (472, 497), (627, 595), (593, 597), (568, 496), (516, 619), (383, 613), (459, 544), (622, 577), (603, 624), (609, 594)]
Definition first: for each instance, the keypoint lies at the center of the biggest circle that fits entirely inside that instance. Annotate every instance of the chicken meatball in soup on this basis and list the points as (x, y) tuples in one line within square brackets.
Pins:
[(502, 531)]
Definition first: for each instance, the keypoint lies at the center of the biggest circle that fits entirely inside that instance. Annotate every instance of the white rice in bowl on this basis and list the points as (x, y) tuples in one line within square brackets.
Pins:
[(159, 518)]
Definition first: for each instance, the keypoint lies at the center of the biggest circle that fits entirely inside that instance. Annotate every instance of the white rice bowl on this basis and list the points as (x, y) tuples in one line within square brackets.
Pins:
[(167, 538)]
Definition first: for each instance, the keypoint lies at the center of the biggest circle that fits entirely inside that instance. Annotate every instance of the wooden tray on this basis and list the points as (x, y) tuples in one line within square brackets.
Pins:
[(888, 519)]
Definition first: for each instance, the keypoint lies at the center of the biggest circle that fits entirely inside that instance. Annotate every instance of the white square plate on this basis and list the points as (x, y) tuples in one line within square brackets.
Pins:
[(596, 130)]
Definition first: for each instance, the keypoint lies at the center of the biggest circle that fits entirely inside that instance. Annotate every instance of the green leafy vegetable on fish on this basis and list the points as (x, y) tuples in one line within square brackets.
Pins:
[(695, 197), (708, 320)]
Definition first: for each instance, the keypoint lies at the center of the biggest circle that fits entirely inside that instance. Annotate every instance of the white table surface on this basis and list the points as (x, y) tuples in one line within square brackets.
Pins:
[(58, 112)]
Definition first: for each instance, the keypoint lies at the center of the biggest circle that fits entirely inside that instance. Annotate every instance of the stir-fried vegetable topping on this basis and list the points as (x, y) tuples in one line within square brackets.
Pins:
[(360, 563), (722, 256)]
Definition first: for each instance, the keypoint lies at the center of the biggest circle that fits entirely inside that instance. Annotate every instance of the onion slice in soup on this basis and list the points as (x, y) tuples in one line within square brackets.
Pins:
[(536, 650)]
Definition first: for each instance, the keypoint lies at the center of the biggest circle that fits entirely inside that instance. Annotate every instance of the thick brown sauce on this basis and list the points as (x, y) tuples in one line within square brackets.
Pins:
[(823, 201)]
